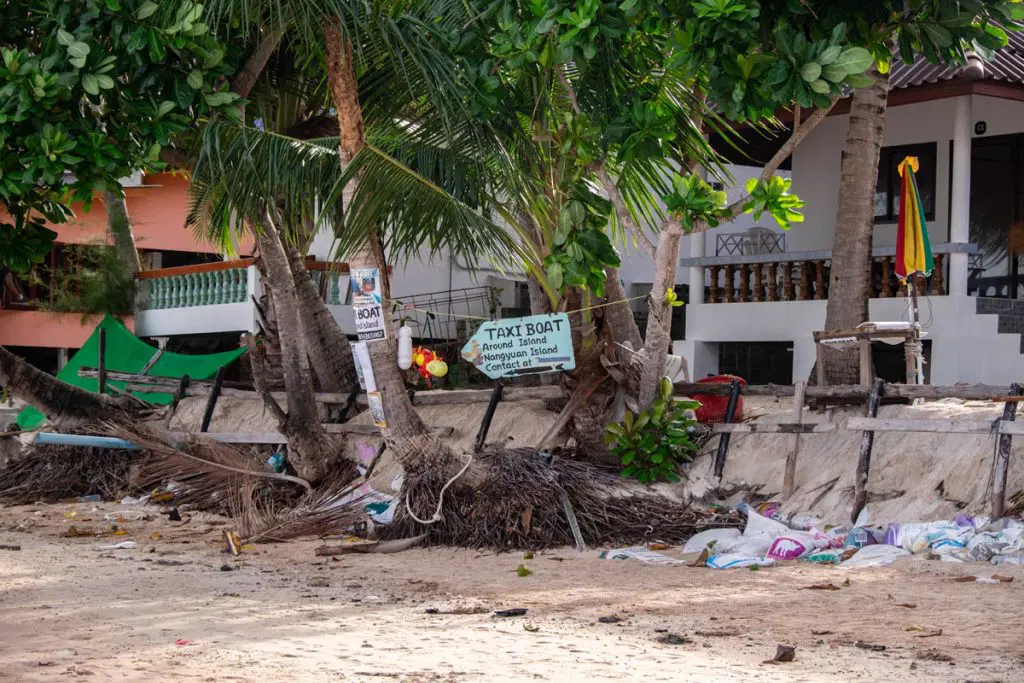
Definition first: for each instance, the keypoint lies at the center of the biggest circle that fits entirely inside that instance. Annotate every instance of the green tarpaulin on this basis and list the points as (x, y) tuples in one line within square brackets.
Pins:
[(128, 353)]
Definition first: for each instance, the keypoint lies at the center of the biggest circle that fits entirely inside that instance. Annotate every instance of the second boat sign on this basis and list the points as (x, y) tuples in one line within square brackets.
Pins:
[(522, 346)]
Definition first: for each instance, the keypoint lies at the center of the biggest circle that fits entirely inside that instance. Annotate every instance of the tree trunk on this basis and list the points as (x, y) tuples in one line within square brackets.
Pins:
[(330, 352), (119, 229), (413, 446), (618, 313), (61, 402), (850, 280), (311, 452), (659, 321)]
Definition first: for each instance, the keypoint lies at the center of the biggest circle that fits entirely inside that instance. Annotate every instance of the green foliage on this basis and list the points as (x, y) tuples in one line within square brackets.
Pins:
[(581, 250), (94, 280), (652, 444), (773, 197), (91, 91), (693, 200), (23, 246)]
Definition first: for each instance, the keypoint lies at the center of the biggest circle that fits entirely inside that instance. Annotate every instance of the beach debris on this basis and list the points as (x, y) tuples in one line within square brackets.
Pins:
[(783, 653), (673, 639), (512, 612)]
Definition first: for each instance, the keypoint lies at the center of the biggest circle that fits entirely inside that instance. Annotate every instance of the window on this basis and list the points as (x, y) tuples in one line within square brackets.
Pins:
[(887, 191)]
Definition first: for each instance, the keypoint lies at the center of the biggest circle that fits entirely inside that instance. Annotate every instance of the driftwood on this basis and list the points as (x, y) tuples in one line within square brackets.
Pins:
[(378, 547)]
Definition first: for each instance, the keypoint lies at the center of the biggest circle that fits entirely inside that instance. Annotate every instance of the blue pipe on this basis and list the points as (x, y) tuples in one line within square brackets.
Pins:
[(55, 439)]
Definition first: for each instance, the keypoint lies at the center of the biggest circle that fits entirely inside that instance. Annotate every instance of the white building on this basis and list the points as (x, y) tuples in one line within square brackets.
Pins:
[(754, 298)]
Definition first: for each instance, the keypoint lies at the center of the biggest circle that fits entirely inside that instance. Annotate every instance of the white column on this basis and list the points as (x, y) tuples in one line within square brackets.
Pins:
[(960, 205), (697, 245)]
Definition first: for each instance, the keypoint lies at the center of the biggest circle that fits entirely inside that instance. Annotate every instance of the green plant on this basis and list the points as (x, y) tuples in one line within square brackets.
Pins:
[(95, 281), (650, 445)]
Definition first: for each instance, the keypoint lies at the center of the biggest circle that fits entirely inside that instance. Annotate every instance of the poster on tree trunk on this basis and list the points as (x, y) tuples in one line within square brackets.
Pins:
[(366, 303), (522, 346), (376, 403)]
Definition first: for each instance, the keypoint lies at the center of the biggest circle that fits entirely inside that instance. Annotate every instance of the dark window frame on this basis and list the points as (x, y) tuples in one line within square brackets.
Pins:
[(927, 152)]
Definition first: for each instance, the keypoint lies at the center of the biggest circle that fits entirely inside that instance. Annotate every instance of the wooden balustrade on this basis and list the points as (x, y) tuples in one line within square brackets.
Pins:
[(791, 280)]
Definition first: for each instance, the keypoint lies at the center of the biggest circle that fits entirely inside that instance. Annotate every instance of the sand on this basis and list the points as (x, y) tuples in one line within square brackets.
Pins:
[(75, 610)]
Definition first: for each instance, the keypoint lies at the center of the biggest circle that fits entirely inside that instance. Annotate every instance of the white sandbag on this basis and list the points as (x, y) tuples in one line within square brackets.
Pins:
[(875, 556), (720, 538)]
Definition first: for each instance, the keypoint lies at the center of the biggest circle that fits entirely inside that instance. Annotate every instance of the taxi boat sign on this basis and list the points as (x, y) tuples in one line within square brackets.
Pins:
[(522, 346)]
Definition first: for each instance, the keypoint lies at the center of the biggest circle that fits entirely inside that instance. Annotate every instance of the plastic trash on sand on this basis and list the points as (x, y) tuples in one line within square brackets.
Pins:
[(791, 546), (875, 556), (737, 561), (719, 537), (641, 555), (828, 556), (1008, 559)]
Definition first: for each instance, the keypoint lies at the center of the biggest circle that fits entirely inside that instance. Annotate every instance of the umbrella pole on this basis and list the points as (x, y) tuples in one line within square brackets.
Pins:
[(914, 320)]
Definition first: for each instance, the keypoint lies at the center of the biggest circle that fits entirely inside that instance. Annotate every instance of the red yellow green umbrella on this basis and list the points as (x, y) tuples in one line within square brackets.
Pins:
[(913, 251)]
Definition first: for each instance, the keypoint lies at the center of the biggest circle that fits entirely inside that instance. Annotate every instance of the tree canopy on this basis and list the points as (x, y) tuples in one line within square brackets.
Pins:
[(92, 91)]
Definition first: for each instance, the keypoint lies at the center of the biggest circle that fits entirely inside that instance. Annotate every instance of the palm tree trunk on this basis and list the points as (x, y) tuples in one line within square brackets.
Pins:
[(310, 451), (330, 352), (850, 280), (407, 437), (63, 403), (119, 229)]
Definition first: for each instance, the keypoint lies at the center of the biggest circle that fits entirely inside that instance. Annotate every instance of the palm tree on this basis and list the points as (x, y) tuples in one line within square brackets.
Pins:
[(397, 95)]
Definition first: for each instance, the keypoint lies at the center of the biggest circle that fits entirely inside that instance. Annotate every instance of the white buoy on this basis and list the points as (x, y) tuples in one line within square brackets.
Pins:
[(405, 347)]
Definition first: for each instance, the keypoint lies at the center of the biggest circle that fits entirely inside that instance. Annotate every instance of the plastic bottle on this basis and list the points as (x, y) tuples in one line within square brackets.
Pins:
[(405, 347)]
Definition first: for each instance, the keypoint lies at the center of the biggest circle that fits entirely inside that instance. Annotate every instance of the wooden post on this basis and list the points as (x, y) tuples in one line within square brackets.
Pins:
[(350, 401), (910, 359), (101, 361), (730, 276), (211, 400), (744, 283), (772, 292), (713, 288), (789, 481), (485, 425), (819, 280), (758, 282), (788, 293), (805, 282), (819, 362), (886, 284), (723, 440), (865, 362), (860, 484), (178, 393), (937, 284), (1001, 463)]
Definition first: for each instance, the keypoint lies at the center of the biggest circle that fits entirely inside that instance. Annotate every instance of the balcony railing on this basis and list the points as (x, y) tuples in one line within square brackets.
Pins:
[(226, 282), (804, 276)]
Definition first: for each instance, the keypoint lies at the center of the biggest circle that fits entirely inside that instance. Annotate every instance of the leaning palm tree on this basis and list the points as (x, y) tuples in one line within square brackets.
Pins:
[(397, 96)]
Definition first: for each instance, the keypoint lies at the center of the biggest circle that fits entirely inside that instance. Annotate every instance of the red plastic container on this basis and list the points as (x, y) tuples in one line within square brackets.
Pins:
[(712, 408)]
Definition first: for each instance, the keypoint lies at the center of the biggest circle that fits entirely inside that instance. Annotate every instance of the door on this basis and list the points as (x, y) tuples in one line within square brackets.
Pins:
[(997, 207)]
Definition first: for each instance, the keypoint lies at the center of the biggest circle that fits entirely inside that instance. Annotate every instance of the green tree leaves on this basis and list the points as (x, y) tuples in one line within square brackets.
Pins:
[(112, 59)]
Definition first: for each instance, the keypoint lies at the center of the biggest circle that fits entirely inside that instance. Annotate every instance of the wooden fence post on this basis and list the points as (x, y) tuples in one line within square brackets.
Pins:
[(1001, 463), (723, 440), (860, 484), (485, 425), (788, 483), (211, 401), (101, 361)]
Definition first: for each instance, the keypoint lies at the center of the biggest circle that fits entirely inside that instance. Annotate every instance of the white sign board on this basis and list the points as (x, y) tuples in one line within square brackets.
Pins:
[(366, 303)]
